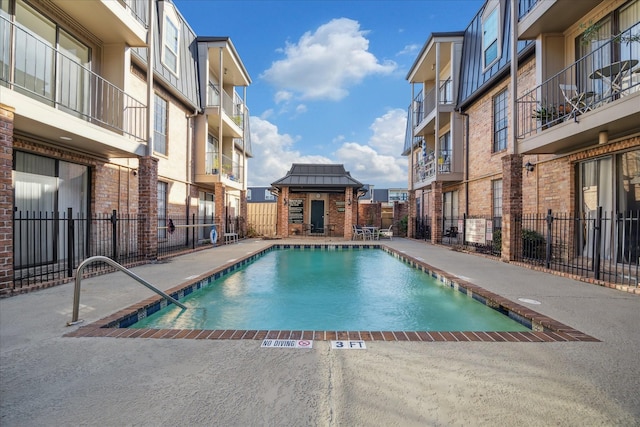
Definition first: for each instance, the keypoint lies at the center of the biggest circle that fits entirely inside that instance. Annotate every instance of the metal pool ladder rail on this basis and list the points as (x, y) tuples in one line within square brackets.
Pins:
[(83, 264)]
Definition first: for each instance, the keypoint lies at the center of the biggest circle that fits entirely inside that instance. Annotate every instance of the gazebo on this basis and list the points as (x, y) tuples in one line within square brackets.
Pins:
[(316, 200)]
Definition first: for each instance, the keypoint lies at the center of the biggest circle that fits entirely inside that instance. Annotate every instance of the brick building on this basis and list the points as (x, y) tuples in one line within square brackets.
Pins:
[(113, 125), (526, 112)]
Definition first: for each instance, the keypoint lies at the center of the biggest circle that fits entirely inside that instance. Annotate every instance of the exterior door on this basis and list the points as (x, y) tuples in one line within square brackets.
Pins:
[(317, 216)]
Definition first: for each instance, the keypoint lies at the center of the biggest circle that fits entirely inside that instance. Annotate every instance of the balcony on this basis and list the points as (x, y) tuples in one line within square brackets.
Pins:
[(440, 100), (592, 95), (550, 16), (231, 108), (55, 96), (122, 21), (431, 167), (228, 172)]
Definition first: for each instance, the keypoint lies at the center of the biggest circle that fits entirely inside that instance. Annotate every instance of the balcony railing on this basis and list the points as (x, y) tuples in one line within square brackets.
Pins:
[(423, 106), (593, 81), (233, 107), (426, 167), (31, 66), (228, 169), (524, 7), (139, 10)]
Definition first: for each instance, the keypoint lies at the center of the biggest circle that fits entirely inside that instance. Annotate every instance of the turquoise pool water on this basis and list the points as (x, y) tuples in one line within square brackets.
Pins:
[(346, 290)]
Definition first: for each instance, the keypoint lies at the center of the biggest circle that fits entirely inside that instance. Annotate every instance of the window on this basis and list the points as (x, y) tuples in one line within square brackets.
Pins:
[(206, 213), (213, 165), (490, 36), (160, 125), (40, 71), (163, 189), (596, 49), (268, 195), (450, 209), (496, 198), (500, 122), (170, 40), (444, 158), (44, 187)]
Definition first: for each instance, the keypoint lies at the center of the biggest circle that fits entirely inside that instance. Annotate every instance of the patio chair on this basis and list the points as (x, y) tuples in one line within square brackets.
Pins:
[(386, 233), (230, 236), (358, 233), (575, 102)]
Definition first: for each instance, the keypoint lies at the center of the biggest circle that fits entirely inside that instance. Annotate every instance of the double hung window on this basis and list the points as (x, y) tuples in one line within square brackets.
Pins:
[(500, 121)]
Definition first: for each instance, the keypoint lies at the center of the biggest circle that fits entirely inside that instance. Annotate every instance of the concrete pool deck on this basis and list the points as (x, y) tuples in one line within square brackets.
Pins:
[(49, 379)]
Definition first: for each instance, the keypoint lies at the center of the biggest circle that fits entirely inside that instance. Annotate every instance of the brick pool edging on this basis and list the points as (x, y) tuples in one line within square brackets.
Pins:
[(544, 328)]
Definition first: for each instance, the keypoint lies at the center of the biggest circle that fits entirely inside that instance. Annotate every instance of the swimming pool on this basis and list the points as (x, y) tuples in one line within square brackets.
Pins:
[(351, 290), (542, 327)]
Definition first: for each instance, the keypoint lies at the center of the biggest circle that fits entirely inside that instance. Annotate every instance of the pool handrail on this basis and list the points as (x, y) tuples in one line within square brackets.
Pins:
[(78, 280)]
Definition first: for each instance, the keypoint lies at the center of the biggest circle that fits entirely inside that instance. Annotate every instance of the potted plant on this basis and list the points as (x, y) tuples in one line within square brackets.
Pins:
[(545, 115)]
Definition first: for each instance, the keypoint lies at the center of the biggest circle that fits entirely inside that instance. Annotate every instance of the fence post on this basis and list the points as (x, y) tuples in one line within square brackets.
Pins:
[(464, 228), (193, 231), (114, 235), (547, 262), (70, 242), (597, 238)]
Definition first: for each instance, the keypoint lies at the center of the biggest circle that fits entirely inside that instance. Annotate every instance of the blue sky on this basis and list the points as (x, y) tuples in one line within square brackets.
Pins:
[(328, 77)]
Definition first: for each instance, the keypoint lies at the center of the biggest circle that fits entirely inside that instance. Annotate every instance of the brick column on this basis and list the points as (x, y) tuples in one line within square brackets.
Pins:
[(148, 205), (351, 203), (6, 199), (244, 212), (413, 215), (220, 206), (282, 225), (435, 213), (511, 206)]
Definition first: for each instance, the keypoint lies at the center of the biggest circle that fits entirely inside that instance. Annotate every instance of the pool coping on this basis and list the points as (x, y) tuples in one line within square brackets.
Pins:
[(543, 328)]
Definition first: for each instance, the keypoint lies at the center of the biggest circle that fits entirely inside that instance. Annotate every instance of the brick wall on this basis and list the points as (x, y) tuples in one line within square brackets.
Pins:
[(6, 198), (511, 205), (148, 205)]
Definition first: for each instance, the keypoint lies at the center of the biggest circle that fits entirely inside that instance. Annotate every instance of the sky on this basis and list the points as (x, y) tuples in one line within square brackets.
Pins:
[(328, 77)]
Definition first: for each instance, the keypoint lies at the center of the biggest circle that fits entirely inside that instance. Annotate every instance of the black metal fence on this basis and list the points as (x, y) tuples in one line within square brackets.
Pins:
[(604, 245), (48, 246), (422, 228), (177, 235), (183, 234)]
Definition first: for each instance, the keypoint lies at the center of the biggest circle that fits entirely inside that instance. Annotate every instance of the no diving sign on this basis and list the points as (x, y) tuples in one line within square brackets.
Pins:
[(287, 343)]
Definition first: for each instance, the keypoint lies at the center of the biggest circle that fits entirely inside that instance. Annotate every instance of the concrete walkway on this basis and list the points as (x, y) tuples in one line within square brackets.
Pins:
[(48, 379)]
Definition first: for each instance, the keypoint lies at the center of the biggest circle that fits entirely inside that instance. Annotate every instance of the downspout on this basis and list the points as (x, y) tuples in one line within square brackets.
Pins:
[(466, 159), (150, 59), (223, 215), (190, 131), (245, 120), (514, 75)]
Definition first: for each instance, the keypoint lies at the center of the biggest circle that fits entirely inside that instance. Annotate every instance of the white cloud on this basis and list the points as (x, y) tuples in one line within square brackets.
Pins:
[(273, 153), (409, 49), (370, 167), (324, 64), (282, 96), (377, 161), (389, 131)]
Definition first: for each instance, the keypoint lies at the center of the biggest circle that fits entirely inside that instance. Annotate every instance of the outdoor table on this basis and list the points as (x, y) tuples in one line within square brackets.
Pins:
[(612, 75)]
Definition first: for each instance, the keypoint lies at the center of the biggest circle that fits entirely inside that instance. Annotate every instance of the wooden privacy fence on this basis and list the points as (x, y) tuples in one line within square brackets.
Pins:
[(261, 219)]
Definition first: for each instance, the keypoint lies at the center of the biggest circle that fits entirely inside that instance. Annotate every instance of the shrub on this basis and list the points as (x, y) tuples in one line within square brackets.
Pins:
[(533, 244)]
